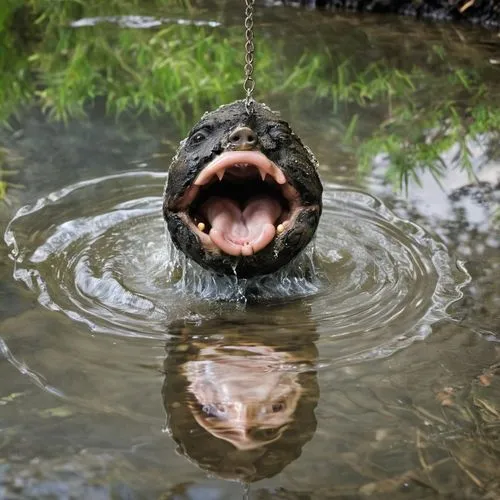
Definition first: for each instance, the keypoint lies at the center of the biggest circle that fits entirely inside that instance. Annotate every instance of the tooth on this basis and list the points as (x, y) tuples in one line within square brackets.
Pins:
[(263, 174), (220, 173), (201, 226), (280, 228)]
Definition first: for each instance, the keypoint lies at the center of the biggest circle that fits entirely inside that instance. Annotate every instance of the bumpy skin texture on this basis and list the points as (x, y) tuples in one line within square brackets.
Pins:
[(277, 141), (485, 12)]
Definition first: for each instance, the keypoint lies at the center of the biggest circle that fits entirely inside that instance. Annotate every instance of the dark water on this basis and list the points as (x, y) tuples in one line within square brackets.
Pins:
[(368, 368)]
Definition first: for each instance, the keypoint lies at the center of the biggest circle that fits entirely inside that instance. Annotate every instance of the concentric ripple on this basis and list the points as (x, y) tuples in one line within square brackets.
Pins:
[(98, 252)]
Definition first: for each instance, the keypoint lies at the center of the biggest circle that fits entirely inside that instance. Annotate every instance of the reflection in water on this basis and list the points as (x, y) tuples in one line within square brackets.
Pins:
[(439, 89), (240, 403), (140, 22), (98, 252)]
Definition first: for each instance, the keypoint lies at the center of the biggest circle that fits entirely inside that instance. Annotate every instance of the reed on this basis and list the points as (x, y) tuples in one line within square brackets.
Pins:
[(181, 70)]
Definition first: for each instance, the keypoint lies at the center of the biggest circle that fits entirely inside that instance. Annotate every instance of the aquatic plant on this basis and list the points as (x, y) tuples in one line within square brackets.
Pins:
[(415, 137), (415, 143), (176, 69), (181, 69), (6, 173)]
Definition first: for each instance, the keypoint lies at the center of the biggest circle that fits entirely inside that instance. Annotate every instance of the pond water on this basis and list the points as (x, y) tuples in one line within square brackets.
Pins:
[(369, 367)]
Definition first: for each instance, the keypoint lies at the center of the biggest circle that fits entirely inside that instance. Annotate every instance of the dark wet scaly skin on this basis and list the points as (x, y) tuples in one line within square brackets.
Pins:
[(276, 140)]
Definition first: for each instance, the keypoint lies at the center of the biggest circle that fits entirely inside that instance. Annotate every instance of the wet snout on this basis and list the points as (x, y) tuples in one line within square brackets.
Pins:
[(242, 138), (247, 425)]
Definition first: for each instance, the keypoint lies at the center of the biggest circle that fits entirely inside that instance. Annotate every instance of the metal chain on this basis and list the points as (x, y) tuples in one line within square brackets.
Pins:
[(249, 84)]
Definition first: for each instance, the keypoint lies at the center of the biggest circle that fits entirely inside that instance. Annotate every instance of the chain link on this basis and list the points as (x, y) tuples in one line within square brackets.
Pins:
[(249, 83)]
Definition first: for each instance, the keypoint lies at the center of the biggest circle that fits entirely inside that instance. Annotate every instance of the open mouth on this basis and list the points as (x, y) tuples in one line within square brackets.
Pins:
[(239, 203)]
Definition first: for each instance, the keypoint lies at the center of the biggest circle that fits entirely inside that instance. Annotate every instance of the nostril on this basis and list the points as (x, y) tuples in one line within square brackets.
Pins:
[(243, 136)]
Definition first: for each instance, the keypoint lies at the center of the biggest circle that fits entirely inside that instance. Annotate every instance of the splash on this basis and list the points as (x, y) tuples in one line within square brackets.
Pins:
[(301, 277), (98, 251)]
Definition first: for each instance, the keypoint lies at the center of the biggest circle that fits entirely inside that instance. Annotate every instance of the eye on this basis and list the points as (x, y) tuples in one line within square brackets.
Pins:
[(278, 407), (213, 410), (279, 132), (208, 410), (199, 136)]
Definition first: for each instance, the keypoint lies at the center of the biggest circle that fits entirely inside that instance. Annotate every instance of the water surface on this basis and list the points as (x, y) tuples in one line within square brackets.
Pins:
[(370, 367)]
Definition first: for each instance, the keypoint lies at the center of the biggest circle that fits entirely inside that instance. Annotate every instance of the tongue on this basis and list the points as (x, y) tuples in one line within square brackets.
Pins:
[(238, 232)]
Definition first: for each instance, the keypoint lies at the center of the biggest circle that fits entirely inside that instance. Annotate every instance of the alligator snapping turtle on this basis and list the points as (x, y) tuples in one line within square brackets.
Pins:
[(243, 195)]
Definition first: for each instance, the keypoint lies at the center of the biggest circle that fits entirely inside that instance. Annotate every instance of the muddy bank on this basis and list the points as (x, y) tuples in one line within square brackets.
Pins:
[(484, 12)]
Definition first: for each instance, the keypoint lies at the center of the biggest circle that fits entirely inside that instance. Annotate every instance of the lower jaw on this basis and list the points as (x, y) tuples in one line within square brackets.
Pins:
[(243, 267), (278, 253), (280, 233)]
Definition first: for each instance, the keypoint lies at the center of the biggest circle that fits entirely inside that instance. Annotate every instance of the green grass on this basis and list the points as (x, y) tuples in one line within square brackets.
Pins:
[(182, 70), (416, 139), (5, 173)]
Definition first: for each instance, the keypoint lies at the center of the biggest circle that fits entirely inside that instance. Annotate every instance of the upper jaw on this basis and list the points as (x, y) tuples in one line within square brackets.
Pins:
[(233, 160), (238, 167)]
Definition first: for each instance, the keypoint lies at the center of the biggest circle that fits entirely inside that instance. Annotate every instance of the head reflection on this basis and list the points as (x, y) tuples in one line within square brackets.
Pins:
[(240, 403), (243, 394)]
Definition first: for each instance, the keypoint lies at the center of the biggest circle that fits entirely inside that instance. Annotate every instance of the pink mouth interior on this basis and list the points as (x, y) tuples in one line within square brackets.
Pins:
[(242, 232), (242, 196)]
